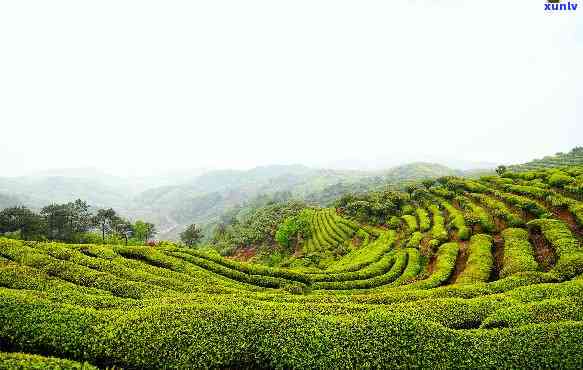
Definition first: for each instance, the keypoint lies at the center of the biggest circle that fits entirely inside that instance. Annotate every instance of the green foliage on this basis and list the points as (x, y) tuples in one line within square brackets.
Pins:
[(433, 244), (414, 240), (295, 228), (457, 220), (572, 158), (480, 260), (362, 257), (372, 276), (518, 253), (330, 237), (526, 204), (363, 236), (566, 246), (43, 311), (65, 221), (191, 236), (549, 309), (576, 187), (380, 302), (411, 222), (444, 265), (424, 221), (256, 228), (407, 209), (412, 270), (105, 220), (373, 207), (14, 361), (70, 222), (143, 230), (560, 179), (438, 230), (29, 225), (394, 222), (499, 209), (474, 214)]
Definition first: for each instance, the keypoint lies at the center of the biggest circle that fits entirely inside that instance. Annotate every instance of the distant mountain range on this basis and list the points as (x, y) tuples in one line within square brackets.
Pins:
[(380, 164), (174, 201)]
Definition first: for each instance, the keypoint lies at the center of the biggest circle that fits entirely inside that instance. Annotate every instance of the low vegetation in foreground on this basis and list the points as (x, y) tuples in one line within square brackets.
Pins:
[(457, 272)]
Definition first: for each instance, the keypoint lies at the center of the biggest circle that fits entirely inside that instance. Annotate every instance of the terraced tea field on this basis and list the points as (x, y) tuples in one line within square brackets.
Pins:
[(481, 273)]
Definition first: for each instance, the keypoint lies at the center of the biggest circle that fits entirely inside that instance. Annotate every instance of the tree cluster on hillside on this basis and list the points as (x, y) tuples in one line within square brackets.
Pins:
[(374, 208), (255, 227), (191, 235), (294, 229), (72, 222)]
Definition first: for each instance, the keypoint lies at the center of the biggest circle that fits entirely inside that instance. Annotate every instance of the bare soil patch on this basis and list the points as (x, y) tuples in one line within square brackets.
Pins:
[(498, 254), (244, 254), (567, 217), (460, 262), (543, 252)]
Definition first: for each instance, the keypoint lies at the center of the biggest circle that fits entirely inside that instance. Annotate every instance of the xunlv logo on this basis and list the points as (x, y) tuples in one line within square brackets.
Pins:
[(556, 5)]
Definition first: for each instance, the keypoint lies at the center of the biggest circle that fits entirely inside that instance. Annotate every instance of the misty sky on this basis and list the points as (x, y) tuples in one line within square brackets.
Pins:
[(141, 86)]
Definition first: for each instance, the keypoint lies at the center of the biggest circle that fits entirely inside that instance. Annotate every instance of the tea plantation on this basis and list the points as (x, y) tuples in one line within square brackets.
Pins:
[(484, 273)]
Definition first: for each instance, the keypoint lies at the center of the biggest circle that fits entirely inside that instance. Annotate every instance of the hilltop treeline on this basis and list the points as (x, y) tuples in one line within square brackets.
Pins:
[(571, 158), (73, 222), (253, 227)]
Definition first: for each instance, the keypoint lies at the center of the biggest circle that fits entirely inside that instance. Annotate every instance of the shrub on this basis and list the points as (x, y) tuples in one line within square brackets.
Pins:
[(548, 310), (424, 221), (499, 209), (362, 257), (567, 247), (411, 223), (394, 222), (457, 220), (232, 335), (397, 264), (444, 265), (518, 253), (438, 230), (414, 240), (28, 361), (560, 179), (412, 270), (480, 261), (433, 244), (483, 217), (526, 204)]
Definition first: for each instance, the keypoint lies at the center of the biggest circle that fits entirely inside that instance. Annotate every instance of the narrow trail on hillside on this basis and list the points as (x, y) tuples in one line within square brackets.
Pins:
[(498, 254), (567, 217), (462, 256), (460, 262), (544, 254), (430, 267)]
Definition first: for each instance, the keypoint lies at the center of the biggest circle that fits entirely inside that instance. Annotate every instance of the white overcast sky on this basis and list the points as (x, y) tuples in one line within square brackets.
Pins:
[(142, 86)]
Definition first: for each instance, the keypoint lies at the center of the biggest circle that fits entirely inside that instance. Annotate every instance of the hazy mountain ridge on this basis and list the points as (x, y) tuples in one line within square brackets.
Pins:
[(203, 198), (573, 157)]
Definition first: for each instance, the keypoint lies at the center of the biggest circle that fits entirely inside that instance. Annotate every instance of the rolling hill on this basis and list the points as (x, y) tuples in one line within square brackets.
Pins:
[(466, 273), (572, 158), (203, 198)]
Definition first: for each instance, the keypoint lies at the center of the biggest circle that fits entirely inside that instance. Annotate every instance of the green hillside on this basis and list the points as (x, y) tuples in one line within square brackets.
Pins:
[(202, 198), (572, 158), (457, 272)]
